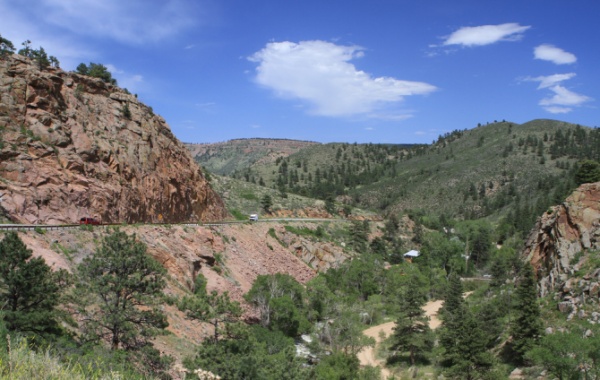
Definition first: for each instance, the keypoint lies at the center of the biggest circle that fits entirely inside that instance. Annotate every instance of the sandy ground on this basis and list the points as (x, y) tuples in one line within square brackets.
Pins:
[(367, 355)]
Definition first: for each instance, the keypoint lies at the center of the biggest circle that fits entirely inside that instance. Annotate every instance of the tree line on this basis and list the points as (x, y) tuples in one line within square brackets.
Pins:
[(43, 60)]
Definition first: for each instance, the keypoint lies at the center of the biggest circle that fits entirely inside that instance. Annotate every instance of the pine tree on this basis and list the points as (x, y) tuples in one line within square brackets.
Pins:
[(412, 333), (119, 292), (470, 360), (29, 290), (214, 308), (527, 326), (464, 342), (587, 172), (359, 235), (451, 313), (266, 202), (6, 47)]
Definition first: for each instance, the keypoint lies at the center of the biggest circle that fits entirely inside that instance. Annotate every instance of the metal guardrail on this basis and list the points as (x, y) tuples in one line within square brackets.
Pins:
[(33, 227)]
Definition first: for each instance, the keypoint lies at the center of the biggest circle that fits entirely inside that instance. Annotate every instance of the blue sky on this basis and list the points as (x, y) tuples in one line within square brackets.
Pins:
[(381, 71)]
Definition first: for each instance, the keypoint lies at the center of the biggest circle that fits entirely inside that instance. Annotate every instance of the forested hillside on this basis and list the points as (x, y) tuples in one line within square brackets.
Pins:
[(501, 170)]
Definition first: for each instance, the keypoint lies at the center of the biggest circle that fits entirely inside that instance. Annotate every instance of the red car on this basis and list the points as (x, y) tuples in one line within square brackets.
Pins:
[(91, 221)]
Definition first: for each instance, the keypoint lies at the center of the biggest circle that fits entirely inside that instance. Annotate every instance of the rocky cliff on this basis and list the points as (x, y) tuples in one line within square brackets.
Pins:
[(564, 246), (73, 146)]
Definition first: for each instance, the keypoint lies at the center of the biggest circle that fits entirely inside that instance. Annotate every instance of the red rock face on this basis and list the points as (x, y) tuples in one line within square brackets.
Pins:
[(572, 227), (68, 149)]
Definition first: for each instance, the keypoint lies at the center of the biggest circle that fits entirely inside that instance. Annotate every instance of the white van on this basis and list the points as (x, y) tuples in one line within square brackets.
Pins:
[(253, 217)]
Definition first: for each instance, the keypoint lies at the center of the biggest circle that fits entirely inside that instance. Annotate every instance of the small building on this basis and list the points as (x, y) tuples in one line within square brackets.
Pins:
[(410, 255)]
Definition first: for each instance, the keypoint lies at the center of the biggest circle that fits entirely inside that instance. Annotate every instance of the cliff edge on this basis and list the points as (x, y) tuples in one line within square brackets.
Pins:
[(564, 239), (74, 146)]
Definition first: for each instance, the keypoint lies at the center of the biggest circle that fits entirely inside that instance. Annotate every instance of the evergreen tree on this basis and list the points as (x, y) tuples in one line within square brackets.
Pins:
[(464, 342), (359, 235), (6, 47), (26, 50), (266, 203), (96, 70), (588, 172), (391, 228), (453, 300), (119, 293), (41, 58), (412, 333), (330, 205), (470, 360), (527, 326), (452, 313), (29, 290), (82, 69), (214, 308)]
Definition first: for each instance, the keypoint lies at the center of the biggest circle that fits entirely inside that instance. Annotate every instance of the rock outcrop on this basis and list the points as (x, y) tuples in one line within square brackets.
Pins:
[(563, 240), (73, 146)]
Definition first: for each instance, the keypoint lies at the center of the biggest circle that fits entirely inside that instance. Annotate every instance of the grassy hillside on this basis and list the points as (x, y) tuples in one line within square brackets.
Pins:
[(244, 198), (228, 157)]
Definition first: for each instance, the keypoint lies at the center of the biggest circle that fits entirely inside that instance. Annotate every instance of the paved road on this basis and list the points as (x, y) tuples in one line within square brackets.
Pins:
[(28, 227)]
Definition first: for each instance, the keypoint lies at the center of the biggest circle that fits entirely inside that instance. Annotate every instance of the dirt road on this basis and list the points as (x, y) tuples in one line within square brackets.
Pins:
[(367, 355)]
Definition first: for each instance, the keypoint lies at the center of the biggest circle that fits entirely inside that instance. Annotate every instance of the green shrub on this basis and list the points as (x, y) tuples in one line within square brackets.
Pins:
[(238, 215), (319, 232), (575, 259), (250, 196)]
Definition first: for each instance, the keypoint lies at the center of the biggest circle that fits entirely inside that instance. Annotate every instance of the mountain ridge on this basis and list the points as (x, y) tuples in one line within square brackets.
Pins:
[(482, 172)]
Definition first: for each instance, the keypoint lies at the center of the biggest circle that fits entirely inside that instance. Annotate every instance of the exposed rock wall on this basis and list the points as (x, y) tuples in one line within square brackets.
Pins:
[(69, 148), (561, 234)]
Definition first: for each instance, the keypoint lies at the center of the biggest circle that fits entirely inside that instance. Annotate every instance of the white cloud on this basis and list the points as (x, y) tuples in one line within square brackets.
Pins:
[(561, 99), (550, 80), (132, 82), (113, 69), (564, 97), (320, 73), (486, 34), (558, 110), (553, 54)]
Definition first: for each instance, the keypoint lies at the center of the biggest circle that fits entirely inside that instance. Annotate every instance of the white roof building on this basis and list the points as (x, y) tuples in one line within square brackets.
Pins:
[(412, 254)]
